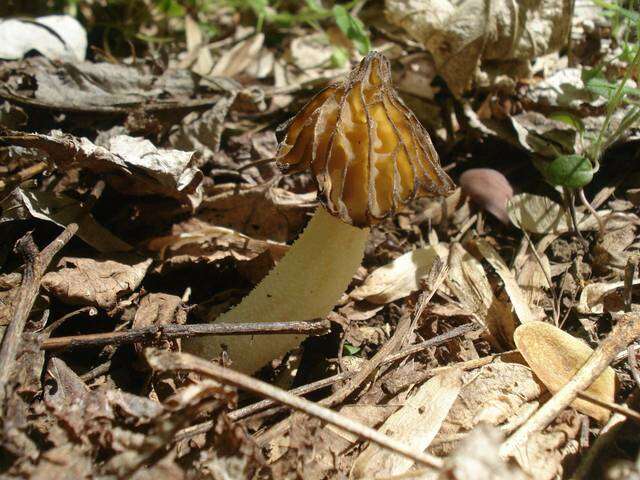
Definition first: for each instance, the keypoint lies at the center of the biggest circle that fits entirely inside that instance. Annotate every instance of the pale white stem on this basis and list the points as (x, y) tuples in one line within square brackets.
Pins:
[(306, 284)]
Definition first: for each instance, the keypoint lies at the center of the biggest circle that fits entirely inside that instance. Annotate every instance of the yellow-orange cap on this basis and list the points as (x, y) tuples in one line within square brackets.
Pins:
[(367, 151)]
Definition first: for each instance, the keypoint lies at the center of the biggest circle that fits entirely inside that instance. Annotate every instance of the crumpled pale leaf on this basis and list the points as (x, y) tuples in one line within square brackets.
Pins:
[(95, 282), (23, 204), (461, 35), (489, 189), (397, 279), (516, 295), (415, 424), (541, 215), (555, 356), (132, 165), (595, 298), (57, 37), (468, 282)]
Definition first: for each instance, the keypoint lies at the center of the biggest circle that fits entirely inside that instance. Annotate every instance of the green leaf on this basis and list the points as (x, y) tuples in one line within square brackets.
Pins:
[(350, 349), (339, 57), (569, 119), (571, 171), (353, 28), (628, 14), (315, 6)]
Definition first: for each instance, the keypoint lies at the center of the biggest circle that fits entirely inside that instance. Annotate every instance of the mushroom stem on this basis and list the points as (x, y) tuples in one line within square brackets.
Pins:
[(306, 284)]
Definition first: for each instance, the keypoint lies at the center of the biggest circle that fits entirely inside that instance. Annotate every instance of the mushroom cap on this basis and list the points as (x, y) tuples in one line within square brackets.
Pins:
[(367, 151)]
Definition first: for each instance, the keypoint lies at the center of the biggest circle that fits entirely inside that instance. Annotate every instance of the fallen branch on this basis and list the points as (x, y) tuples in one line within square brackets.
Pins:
[(36, 263), (262, 405), (166, 361), (625, 332), (171, 331)]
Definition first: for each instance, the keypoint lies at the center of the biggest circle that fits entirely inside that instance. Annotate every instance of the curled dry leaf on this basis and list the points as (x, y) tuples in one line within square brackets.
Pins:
[(160, 309), (468, 281), (462, 34), (22, 204), (516, 295), (599, 297), (92, 282), (261, 212), (416, 423), (489, 189), (131, 165), (398, 278), (555, 356)]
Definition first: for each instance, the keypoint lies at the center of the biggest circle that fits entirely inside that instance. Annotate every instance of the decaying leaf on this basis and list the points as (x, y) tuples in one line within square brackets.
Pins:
[(516, 295), (397, 279), (22, 204), (160, 309), (555, 356), (415, 424), (95, 282), (260, 212), (131, 165), (461, 35), (468, 281), (599, 297)]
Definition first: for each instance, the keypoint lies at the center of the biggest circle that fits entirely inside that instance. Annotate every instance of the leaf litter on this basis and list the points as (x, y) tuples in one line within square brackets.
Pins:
[(457, 336)]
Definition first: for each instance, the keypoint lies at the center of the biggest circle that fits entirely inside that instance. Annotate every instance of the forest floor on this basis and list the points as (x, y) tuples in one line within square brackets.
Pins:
[(487, 334)]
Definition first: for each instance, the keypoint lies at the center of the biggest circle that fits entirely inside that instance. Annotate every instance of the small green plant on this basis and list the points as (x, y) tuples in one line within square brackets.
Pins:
[(577, 170)]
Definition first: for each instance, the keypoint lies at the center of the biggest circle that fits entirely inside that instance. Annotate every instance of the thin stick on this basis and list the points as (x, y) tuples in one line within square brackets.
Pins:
[(625, 332), (175, 361), (36, 263), (592, 210), (614, 407), (170, 331), (244, 412)]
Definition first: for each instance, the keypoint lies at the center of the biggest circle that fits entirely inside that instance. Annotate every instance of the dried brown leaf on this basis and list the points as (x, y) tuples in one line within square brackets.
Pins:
[(95, 282)]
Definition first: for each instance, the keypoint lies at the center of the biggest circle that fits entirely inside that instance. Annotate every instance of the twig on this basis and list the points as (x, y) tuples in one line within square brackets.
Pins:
[(629, 273), (568, 202), (607, 435), (23, 175), (614, 407), (325, 382), (36, 263), (166, 332), (404, 327), (187, 362), (625, 332), (592, 210)]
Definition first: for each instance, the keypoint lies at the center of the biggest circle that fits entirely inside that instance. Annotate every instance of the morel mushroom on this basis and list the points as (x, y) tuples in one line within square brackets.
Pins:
[(369, 155)]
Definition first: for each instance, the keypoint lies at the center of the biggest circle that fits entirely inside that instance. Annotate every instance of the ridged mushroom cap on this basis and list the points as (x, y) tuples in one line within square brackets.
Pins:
[(368, 152)]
